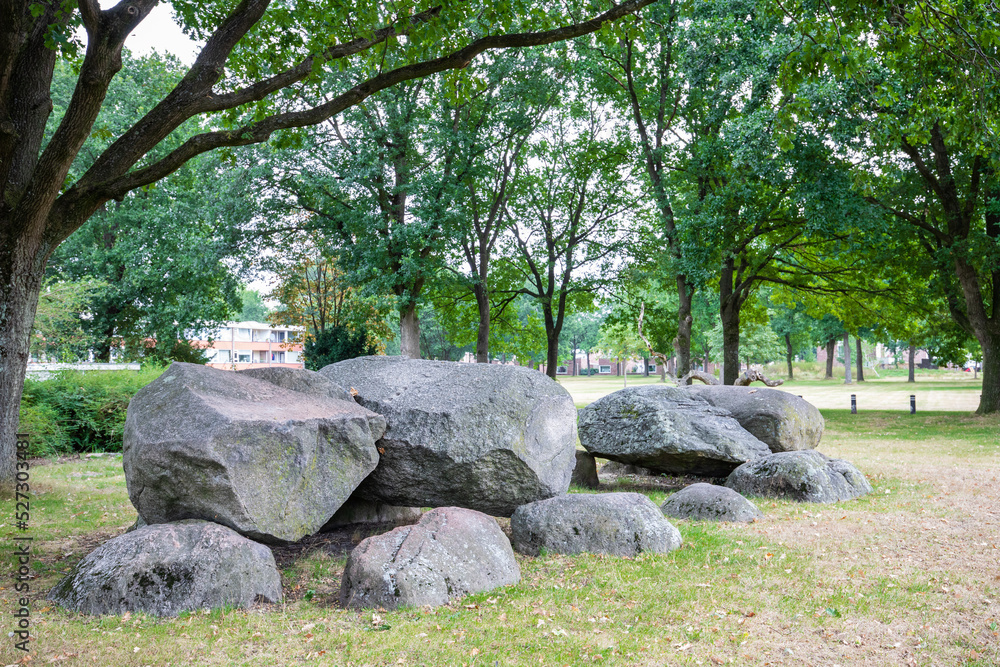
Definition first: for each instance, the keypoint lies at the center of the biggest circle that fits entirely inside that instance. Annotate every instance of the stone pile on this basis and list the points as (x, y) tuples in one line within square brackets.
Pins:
[(218, 464)]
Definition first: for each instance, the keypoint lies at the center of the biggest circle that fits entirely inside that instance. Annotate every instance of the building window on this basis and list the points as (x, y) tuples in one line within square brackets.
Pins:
[(278, 357), (243, 357), (222, 357), (652, 368), (561, 370), (243, 334), (277, 336), (604, 368)]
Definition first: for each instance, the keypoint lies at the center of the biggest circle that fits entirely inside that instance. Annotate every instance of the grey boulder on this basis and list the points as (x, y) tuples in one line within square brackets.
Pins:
[(299, 379), (169, 568), (449, 553), (710, 502), (621, 524), (783, 421), (806, 476), (271, 463), (585, 472), (482, 436), (668, 430)]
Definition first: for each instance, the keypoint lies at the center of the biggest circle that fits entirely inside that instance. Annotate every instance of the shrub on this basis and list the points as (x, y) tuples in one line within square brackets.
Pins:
[(80, 411)]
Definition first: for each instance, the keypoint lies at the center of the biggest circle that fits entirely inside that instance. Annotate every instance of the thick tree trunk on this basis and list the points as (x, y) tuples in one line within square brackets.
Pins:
[(409, 332), (483, 336), (860, 362), (847, 359), (990, 398), (831, 351), (788, 356), (22, 268), (729, 312), (730, 345), (682, 343), (913, 353)]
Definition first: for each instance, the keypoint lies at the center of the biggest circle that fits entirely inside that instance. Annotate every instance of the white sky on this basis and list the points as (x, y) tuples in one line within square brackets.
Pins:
[(159, 31)]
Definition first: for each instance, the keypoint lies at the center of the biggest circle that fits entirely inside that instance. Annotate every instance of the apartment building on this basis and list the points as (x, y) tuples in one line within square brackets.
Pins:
[(241, 345)]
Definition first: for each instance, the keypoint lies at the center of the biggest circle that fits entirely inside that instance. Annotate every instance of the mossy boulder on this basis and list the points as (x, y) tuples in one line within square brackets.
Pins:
[(620, 524), (710, 502), (666, 430), (270, 462), (449, 553), (806, 476), (169, 568), (483, 436), (783, 421)]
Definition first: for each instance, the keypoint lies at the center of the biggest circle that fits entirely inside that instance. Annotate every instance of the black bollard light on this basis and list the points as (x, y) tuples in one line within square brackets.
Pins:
[(854, 404), (913, 404)]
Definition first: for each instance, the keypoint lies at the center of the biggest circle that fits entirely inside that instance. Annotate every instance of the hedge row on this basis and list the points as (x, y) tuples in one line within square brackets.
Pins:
[(78, 411)]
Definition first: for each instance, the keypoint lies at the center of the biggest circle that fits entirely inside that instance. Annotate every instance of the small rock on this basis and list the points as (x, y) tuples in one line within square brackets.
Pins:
[(449, 553), (165, 569), (621, 524), (585, 472), (710, 502), (805, 476), (358, 510), (617, 468)]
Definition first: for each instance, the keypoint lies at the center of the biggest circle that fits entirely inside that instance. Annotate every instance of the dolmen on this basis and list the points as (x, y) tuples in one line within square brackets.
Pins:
[(233, 461)]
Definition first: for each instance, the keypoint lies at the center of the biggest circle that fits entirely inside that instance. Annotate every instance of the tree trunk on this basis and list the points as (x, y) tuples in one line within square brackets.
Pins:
[(730, 344), (409, 332), (847, 358), (861, 360), (483, 336), (588, 363), (22, 269), (682, 343), (990, 398), (913, 353), (831, 351), (788, 355)]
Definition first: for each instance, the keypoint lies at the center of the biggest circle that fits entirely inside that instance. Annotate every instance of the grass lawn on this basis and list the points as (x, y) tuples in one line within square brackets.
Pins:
[(905, 576), (934, 389)]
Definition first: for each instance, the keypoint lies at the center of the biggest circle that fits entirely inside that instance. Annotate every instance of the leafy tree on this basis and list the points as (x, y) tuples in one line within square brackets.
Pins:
[(254, 309), (58, 333), (620, 339), (639, 70), (336, 343), (934, 165), (567, 215), (313, 292), (270, 57)]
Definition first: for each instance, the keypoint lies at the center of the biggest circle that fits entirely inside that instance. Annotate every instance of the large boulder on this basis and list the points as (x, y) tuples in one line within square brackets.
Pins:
[(668, 430), (621, 524), (169, 568), (710, 502), (616, 468), (449, 553), (271, 463), (806, 476), (782, 421), (299, 379), (482, 436)]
